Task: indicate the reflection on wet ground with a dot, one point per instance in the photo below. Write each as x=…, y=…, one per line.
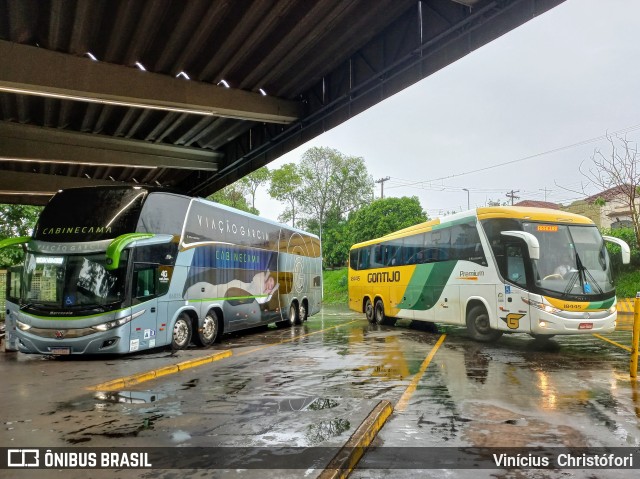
x=313, y=384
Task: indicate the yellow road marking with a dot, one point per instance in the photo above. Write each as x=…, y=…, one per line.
x=128, y=381
x=626, y=348
x=350, y=454
x=404, y=399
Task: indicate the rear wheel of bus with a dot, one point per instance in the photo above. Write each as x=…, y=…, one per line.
x=294, y=314
x=368, y=311
x=304, y=311
x=479, y=325
x=379, y=316
x=209, y=331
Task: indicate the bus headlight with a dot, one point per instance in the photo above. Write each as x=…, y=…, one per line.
x=613, y=309
x=22, y=326
x=541, y=306
x=117, y=322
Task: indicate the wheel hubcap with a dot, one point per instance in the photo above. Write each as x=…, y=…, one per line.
x=482, y=323
x=180, y=332
x=209, y=328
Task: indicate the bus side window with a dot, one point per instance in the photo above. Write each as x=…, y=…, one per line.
x=14, y=284
x=377, y=257
x=515, y=265
x=353, y=259
x=144, y=281
x=364, y=258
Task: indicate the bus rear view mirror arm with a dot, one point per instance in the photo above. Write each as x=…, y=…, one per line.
x=626, y=252
x=532, y=242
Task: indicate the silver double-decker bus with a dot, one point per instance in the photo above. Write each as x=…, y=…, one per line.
x=123, y=269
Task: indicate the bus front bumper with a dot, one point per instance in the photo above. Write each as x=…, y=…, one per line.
x=100, y=343
x=580, y=323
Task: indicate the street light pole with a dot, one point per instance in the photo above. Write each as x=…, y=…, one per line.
x=468, y=206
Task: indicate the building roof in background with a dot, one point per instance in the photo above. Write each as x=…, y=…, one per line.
x=609, y=194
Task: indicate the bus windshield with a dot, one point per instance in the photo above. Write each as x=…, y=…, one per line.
x=573, y=264
x=72, y=281
x=573, y=260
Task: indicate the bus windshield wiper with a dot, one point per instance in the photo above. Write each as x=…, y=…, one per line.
x=586, y=278
x=571, y=282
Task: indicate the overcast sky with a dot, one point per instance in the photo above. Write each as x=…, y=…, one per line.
x=538, y=94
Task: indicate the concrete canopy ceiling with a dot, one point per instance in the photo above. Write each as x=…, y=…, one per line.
x=192, y=95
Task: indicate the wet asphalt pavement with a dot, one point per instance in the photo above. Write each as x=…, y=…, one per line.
x=312, y=386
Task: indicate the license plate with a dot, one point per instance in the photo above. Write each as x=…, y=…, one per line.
x=60, y=351
x=585, y=326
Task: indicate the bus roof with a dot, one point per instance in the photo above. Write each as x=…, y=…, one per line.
x=517, y=212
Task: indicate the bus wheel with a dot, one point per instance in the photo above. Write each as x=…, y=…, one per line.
x=208, y=334
x=182, y=330
x=479, y=326
x=378, y=314
x=294, y=317
x=368, y=311
x=304, y=314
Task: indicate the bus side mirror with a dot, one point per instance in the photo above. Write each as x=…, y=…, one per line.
x=532, y=242
x=626, y=252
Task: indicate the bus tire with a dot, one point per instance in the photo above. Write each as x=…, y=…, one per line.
x=304, y=311
x=182, y=331
x=208, y=333
x=294, y=315
x=368, y=311
x=379, y=316
x=479, y=327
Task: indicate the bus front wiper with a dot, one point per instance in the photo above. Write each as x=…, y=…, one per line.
x=571, y=282
x=582, y=273
x=586, y=276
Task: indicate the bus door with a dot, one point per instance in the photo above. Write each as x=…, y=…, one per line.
x=152, y=272
x=145, y=328
x=13, y=290
x=513, y=311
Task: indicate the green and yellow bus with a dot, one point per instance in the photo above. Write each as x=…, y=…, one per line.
x=494, y=270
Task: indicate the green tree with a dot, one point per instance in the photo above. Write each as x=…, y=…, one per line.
x=333, y=182
x=286, y=184
x=385, y=216
x=233, y=195
x=15, y=221
x=253, y=181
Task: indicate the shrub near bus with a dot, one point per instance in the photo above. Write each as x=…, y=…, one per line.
x=494, y=270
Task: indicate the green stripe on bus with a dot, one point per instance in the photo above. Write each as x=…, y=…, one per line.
x=14, y=241
x=114, y=250
x=426, y=285
x=74, y=318
x=606, y=304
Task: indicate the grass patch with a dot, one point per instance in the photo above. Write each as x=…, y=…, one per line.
x=336, y=290
x=627, y=284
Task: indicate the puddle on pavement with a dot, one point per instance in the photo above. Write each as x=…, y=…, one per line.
x=291, y=405
x=180, y=436
x=320, y=432
x=131, y=397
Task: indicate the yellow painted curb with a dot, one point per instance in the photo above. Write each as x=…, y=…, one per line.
x=625, y=305
x=127, y=381
x=350, y=454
